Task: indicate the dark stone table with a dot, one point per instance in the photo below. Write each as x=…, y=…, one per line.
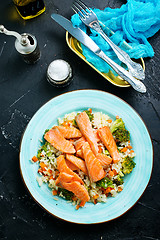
x=24, y=89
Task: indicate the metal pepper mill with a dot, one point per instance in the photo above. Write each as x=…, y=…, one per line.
x=26, y=44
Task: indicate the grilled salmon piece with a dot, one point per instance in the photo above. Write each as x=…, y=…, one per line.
x=78, y=189
x=69, y=132
x=104, y=159
x=109, y=142
x=71, y=165
x=79, y=153
x=79, y=143
x=95, y=169
x=85, y=127
x=95, y=131
x=63, y=177
x=62, y=167
x=55, y=137
x=71, y=181
x=78, y=162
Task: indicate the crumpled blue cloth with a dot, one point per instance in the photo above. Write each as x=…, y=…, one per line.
x=134, y=22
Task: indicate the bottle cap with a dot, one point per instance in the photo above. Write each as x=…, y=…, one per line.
x=59, y=73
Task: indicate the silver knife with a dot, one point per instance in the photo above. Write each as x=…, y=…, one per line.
x=89, y=43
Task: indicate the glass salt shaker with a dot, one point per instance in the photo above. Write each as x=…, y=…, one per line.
x=59, y=73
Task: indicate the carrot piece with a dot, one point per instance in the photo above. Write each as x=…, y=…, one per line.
x=40, y=170
x=64, y=123
x=43, y=166
x=100, y=150
x=50, y=171
x=35, y=159
x=120, y=189
x=108, y=189
x=131, y=151
x=77, y=207
x=111, y=173
x=124, y=149
x=129, y=147
x=115, y=172
x=96, y=196
x=74, y=198
x=51, y=177
x=109, y=120
x=117, y=117
x=82, y=204
x=90, y=109
x=95, y=201
x=54, y=192
x=67, y=123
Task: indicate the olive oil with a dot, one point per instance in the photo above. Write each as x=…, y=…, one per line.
x=28, y=9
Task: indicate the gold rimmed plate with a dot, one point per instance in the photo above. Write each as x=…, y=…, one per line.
x=75, y=46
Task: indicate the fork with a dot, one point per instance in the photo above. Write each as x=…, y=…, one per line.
x=89, y=18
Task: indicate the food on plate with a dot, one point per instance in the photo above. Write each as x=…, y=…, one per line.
x=109, y=142
x=85, y=157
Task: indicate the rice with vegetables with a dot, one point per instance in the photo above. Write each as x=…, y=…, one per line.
x=98, y=189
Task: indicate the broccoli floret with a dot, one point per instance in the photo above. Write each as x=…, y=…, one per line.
x=90, y=115
x=75, y=123
x=121, y=135
x=119, y=131
x=43, y=148
x=105, y=182
x=66, y=194
x=127, y=165
x=118, y=123
x=118, y=180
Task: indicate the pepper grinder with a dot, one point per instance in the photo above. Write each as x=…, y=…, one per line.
x=26, y=44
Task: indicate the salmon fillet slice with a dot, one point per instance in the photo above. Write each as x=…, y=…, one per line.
x=79, y=143
x=78, y=189
x=55, y=137
x=85, y=127
x=63, y=177
x=78, y=162
x=69, y=132
x=95, y=169
x=109, y=142
x=95, y=131
x=71, y=165
x=79, y=153
x=62, y=167
x=104, y=159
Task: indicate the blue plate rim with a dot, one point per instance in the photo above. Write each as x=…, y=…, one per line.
x=86, y=90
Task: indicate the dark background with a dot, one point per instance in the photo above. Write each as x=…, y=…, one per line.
x=24, y=89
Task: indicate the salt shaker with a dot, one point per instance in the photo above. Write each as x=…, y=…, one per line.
x=59, y=73
x=26, y=44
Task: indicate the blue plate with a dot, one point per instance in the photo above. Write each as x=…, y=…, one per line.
x=134, y=184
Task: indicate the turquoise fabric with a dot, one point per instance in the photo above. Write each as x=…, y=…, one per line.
x=134, y=22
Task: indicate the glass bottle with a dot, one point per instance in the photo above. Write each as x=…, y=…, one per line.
x=28, y=9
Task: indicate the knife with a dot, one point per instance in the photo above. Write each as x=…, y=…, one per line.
x=89, y=43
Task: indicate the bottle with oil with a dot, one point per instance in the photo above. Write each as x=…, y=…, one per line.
x=28, y=9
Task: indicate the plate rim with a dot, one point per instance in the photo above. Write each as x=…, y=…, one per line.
x=44, y=208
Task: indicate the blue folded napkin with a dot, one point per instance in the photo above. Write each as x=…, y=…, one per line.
x=134, y=22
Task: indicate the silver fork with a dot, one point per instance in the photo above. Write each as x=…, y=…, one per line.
x=89, y=18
